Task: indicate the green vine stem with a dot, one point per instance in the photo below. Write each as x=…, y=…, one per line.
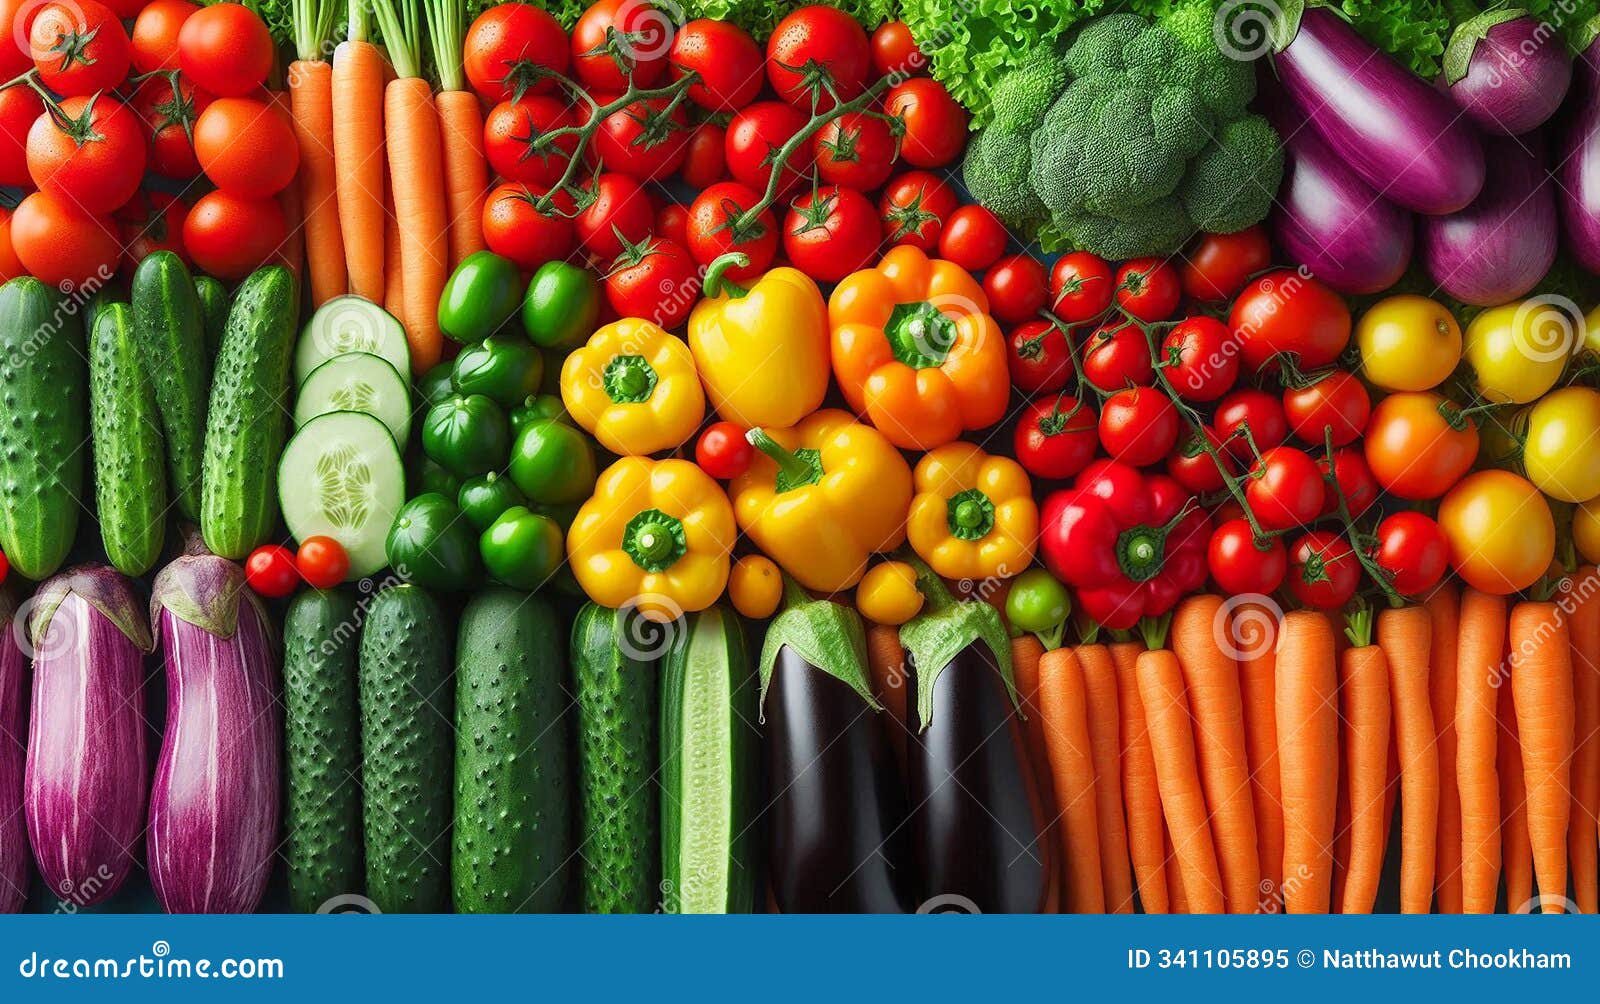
x=1347, y=524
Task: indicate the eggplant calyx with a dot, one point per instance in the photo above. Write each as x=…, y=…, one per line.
x=945, y=627
x=1463, y=44
x=826, y=634
x=1283, y=23
x=203, y=590
x=103, y=588
x=1584, y=37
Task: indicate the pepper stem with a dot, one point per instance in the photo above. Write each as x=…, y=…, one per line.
x=717, y=282
x=970, y=514
x=796, y=468
x=654, y=540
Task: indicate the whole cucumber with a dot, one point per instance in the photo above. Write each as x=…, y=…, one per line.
x=171, y=336
x=130, y=472
x=213, y=297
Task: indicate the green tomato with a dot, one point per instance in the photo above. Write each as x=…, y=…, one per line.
x=467, y=435
x=535, y=408
x=561, y=306
x=1037, y=602
x=522, y=549
x=553, y=463
x=482, y=499
x=504, y=368
x=436, y=385
x=481, y=294
x=431, y=545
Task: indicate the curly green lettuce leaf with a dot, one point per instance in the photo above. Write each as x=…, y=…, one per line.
x=758, y=17
x=1412, y=31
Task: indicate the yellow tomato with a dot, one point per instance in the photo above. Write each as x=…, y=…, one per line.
x=888, y=593
x=1586, y=530
x=1591, y=332
x=1501, y=532
x=1561, y=452
x=755, y=586
x=1408, y=343
x=1519, y=350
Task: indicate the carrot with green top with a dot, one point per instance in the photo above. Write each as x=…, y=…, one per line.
x=466, y=171
x=356, y=96
x=311, y=102
x=1364, y=706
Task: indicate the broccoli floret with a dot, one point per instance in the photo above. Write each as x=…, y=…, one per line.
x=996, y=170
x=1022, y=96
x=1155, y=228
x=1231, y=182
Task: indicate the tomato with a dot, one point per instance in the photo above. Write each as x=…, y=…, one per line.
x=515, y=144
x=1284, y=489
x=895, y=51
x=246, y=147
x=509, y=50
x=1255, y=411
x=270, y=571
x=723, y=452
x=1138, y=426
x=1408, y=342
x=705, y=160
x=1418, y=444
x=5, y=568
x=1117, y=357
x=1501, y=532
x=1218, y=265
x=1288, y=313
x=1038, y=357
x=10, y=265
x=727, y=59
x=1413, y=549
x=618, y=40
x=80, y=47
x=1518, y=351
x=1201, y=358
x=60, y=244
x=1352, y=479
x=913, y=208
x=831, y=233
x=672, y=222
x=814, y=46
x=226, y=50
x=154, y=40
x=1335, y=402
x=96, y=165
x=715, y=229
x=755, y=134
x=322, y=562
x=20, y=107
x=515, y=227
x=1080, y=286
x=229, y=236
x=644, y=140
x=1325, y=570
x=1016, y=287
x=613, y=205
x=152, y=221
x=1148, y=288
x=1055, y=437
x=973, y=238
x=935, y=125
x=855, y=150
x=15, y=55
x=1559, y=453
x=1192, y=467
x=656, y=280
x=1240, y=565
x=1586, y=530
x=169, y=118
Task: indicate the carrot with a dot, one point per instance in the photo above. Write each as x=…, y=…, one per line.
x=1105, y=743
x=1444, y=615
x=1341, y=821
x=311, y=113
x=394, y=295
x=1480, y=645
x=1180, y=902
x=1211, y=677
x=1541, y=691
x=1308, y=733
x=1140, y=795
x=1405, y=635
x=1583, y=830
x=1026, y=651
x=466, y=172
x=1514, y=810
x=1364, y=705
x=356, y=82
x=1254, y=631
x=1064, y=712
x=1183, y=801
x=886, y=664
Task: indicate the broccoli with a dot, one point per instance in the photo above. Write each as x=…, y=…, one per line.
x=996, y=171
x=1231, y=183
x=1022, y=96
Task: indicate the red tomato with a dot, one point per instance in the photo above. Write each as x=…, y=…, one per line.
x=1201, y=358
x=152, y=221
x=1038, y=357
x=913, y=208
x=755, y=134
x=515, y=141
x=96, y=163
x=613, y=204
x=1017, y=288
x=723, y=452
x=1354, y=481
x=169, y=119
x=672, y=223
x=831, y=233
x=705, y=159
x=230, y=237
x=1055, y=437
x=973, y=238
x=814, y=45
x=514, y=226
x=1138, y=426
x=715, y=229
x=226, y=50
x=246, y=147
x=895, y=51
x=322, y=562
x=618, y=40
x=1218, y=265
x=1287, y=313
x=1148, y=288
x=935, y=125
x=1419, y=445
x=1117, y=357
x=1192, y=467
x=79, y=47
x=1080, y=286
x=1251, y=409
x=1326, y=570
x=154, y=39
x=270, y=571
x=727, y=60
x=1284, y=489
x=1335, y=403
x=60, y=244
x=5, y=568
x=645, y=140
x=507, y=49
x=10, y=265
x=656, y=280
x=855, y=150
x=20, y=107
x=1240, y=565
x=1413, y=549
x=15, y=53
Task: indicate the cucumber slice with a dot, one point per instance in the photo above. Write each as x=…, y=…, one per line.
x=357, y=381
x=341, y=477
x=350, y=324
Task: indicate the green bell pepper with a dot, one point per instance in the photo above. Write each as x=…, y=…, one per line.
x=480, y=295
x=427, y=476
x=482, y=499
x=431, y=545
x=553, y=463
x=561, y=306
x=536, y=407
x=504, y=368
x=436, y=385
x=467, y=435
x=522, y=549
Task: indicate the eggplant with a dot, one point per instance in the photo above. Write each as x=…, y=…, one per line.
x=86, y=774
x=214, y=804
x=1398, y=134
x=1501, y=246
x=13, y=759
x=1507, y=70
x=1579, y=173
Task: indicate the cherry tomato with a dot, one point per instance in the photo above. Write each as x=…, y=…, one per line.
x=1284, y=489
x=816, y=44
x=1418, y=444
x=715, y=229
x=831, y=232
x=60, y=244
x=1335, y=402
x=1353, y=479
x=1201, y=359
x=1287, y=313
x=230, y=237
x=10, y=265
x=1017, y=288
x=16, y=21
x=1055, y=437
x=1413, y=549
x=1240, y=564
x=246, y=147
x=1255, y=410
x=1038, y=357
x=723, y=452
x=1117, y=356
x=1501, y=531
x=913, y=208
x=672, y=223
x=151, y=222
x=646, y=140
x=20, y=107
x=515, y=227
x=322, y=562
x=1080, y=286
x=154, y=39
x=935, y=125
x=613, y=205
x=895, y=51
x=727, y=60
x=755, y=134
x=855, y=150
x=1192, y=467
x=973, y=238
x=1218, y=265
x=1326, y=570
x=225, y=49
x=508, y=49
x=80, y=47
x=169, y=119
x=98, y=170
x=705, y=159
x=270, y=571
x=1148, y=288
x=656, y=280
x=1138, y=426
x=515, y=141
x=615, y=41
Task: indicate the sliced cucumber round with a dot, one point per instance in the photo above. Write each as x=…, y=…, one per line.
x=357, y=381
x=341, y=477
x=350, y=324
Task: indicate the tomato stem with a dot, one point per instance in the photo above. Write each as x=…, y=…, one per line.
x=1376, y=572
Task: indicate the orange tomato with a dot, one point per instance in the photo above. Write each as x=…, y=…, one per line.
x=1418, y=444
x=1501, y=532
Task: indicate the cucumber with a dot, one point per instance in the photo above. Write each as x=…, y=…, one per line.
x=322, y=741
x=172, y=340
x=245, y=431
x=357, y=381
x=513, y=830
x=130, y=467
x=351, y=324
x=407, y=705
x=708, y=700
x=44, y=404
x=213, y=297
x=343, y=478
x=618, y=800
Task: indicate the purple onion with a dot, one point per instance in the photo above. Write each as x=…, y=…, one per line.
x=214, y=803
x=1502, y=245
x=1507, y=70
x=84, y=792
x=13, y=761
x=1579, y=173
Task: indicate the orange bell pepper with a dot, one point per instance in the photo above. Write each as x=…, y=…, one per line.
x=915, y=350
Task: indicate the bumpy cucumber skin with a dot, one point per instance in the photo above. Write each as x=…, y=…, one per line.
x=249, y=415
x=168, y=326
x=44, y=418
x=618, y=797
x=322, y=726
x=513, y=831
x=407, y=705
x=213, y=298
x=130, y=467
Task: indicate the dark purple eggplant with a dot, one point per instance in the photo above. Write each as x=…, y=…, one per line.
x=1401, y=136
x=1506, y=69
x=1579, y=173
x=1501, y=246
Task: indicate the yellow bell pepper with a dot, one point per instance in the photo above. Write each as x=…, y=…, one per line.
x=888, y=594
x=656, y=534
x=762, y=352
x=974, y=516
x=822, y=496
x=634, y=388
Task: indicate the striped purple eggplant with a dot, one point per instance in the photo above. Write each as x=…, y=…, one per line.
x=214, y=804
x=13, y=758
x=1507, y=70
x=84, y=791
x=1579, y=156
x=1500, y=247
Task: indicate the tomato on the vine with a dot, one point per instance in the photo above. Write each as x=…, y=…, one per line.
x=515, y=227
x=1017, y=288
x=646, y=140
x=225, y=49
x=80, y=47
x=973, y=238
x=10, y=265
x=1117, y=356
x=154, y=39
x=1326, y=570
x=1080, y=286
x=1038, y=357
x=516, y=141
x=1413, y=549
x=1284, y=489
x=322, y=562
x=229, y=236
x=169, y=118
x=1148, y=288
x=1418, y=444
x=1192, y=466
x=20, y=107
x=855, y=150
x=655, y=279
x=151, y=222
x=93, y=155
x=16, y=21
x=1351, y=478
x=1218, y=265
x=270, y=571
x=935, y=125
x=913, y=208
x=1055, y=437
x=1256, y=411
x=1201, y=360
x=1240, y=564
x=755, y=135
x=895, y=51
x=612, y=209
x=672, y=223
x=511, y=49
x=831, y=232
x=705, y=158
x=60, y=244
x=616, y=41
x=716, y=228
x=723, y=452
x=1333, y=404
x=818, y=54
x=246, y=147
x=727, y=61
x=1287, y=313
x=1138, y=426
